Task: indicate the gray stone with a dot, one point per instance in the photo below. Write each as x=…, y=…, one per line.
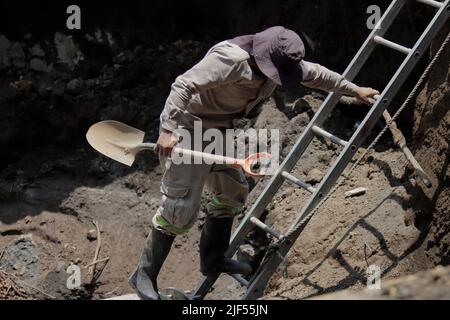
x=21, y=258
x=59, y=87
x=37, y=51
x=300, y=121
x=39, y=65
x=17, y=55
x=301, y=105
x=67, y=51
x=314, y=176
x=74, y=86
x=5, y=45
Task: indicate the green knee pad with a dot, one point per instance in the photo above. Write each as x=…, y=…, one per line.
x=161, y=223
x=218, y=204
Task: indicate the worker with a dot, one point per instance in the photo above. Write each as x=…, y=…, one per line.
x=232, y=78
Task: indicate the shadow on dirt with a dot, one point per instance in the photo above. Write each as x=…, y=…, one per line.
x=357, y=274
x=47, y=177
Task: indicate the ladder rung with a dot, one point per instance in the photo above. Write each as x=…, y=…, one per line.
x=298, y=182
x=392, y=45
x=326, y=134
x=240, y=279
x=432, y=3
x=266, y=228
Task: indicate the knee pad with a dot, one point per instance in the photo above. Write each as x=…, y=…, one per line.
x=160, y=223
x=178, y=211
x=222, y=208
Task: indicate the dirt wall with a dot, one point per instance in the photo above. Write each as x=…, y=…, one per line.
x=431, y=141
x=121, y=63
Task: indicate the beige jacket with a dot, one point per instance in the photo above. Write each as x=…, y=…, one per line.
x=222, y=87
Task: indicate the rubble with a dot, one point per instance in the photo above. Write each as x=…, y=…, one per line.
x=314, y=176
x=38, y=65
x=21, y=258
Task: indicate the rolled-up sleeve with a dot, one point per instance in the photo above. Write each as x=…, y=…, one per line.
x=319, y=77
x=215, y=69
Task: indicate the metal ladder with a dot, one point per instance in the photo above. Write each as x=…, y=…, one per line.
x=256, y=285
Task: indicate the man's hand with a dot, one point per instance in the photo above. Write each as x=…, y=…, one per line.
x=165, y=143
x=366, y=95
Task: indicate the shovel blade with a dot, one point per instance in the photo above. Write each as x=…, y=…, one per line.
x=100, y=134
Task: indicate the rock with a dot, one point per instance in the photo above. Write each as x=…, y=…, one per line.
x=325, y=158
x=246, y=254
x=309, y=103
x=138, y=50
x=300, y=121
x=22, y=85
x=70, y=248
x=59, y=88
x=92, y=235
x=74, y=86
x=39, y=65
x=247, y=249
x=5, y=44
x=37, y=51
x=67, y=51
x=314, y=176
x=123, y=57
x=17, y=55
x=21, y=257
x=355, y=192
x=117, y=67
x=11, y=54
x=301, y=105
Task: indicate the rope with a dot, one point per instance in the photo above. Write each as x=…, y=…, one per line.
x=412, y=94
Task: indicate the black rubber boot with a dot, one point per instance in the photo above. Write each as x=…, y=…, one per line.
x=154, y=253
x=214, y=241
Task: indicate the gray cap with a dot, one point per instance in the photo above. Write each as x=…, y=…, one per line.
x=279, y=52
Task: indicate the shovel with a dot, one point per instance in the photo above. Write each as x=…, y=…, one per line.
x=121, y=142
